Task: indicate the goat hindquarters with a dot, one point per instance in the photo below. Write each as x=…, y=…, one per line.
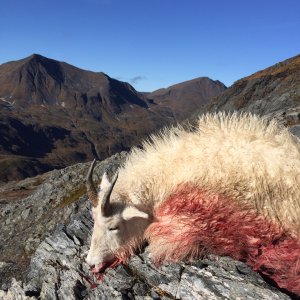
x=194, y=222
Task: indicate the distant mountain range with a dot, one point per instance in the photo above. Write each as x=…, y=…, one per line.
x=186, y=97
x=53, y=114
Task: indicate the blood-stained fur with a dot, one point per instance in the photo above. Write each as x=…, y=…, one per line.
x=231, y=186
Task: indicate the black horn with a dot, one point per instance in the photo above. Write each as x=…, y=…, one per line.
x=90, y=187
x=105, y=205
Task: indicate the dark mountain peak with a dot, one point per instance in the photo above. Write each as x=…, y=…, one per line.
x=40, y=80
x=34, y=60
x=193, y=83
x=67, y=68
x=37, y=57
x=190, y=95
x=38, y=65
x=18, y=63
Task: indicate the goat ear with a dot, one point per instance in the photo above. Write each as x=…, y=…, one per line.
x=104, y=182
x=132, y=212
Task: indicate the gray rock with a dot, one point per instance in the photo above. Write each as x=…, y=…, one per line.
x=25, y=213
x=295, y=130
x=15, y=292
x=31, y=209
x=61, y=276
x=58, y=269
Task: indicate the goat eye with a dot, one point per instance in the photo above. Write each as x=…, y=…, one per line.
x=113, y=228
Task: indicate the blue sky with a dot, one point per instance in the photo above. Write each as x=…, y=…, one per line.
x=154, y=43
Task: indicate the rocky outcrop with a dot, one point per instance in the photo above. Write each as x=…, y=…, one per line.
x=58, y=271
x=31, y=209
x=274, y=91
x=49, y=219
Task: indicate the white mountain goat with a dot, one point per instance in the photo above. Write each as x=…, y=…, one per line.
x=231, y=187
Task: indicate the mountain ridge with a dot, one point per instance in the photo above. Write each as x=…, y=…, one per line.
x=40, y=80
x=274, y=91
x=77, y=114
x=190, y=91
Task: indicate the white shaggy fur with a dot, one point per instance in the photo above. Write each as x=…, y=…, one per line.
x=251, y=159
